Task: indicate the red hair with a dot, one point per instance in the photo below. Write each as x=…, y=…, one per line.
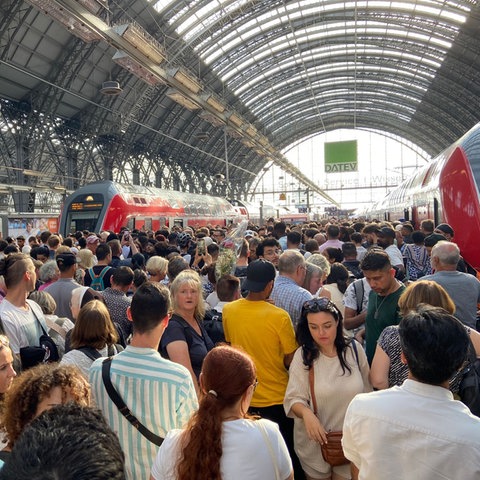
x=226, y=374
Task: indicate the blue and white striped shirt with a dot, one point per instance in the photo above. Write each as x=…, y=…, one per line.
x=159, y=393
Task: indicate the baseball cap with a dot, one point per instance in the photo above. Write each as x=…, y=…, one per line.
x=92, y=239
x=386, y=232
x=66, y=259
x=444, y=228
x=259, y=273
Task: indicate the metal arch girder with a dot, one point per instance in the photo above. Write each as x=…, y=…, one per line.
x=258, y=87
x=264, y=39
x=290, y=98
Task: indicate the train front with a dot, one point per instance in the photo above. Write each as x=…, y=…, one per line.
x=86, y=208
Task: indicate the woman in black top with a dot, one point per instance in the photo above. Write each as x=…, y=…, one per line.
x=185, y=341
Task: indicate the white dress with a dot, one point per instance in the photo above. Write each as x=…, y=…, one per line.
x=333, y=392
x=246, y=455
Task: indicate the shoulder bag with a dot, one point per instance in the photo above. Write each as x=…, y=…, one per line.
x=261, y=427
x=124, y=410
x=46, y=351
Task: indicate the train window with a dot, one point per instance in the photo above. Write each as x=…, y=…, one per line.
x=136, y=199
x=131, y=223
x=143, y=201
x=148, y=223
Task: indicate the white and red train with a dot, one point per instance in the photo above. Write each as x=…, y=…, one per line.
x=107, y=205
x=444, y=190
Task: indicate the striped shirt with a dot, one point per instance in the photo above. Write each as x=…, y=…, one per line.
x=159, y=393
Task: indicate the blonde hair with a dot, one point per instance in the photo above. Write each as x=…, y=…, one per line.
x=191, y=278
x=425, y=291
x=86, y=258
x=321, y=262
x=157, y=265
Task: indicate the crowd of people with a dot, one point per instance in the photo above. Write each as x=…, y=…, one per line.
x=207, y=353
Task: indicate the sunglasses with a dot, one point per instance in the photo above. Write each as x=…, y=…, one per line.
x=321, y=304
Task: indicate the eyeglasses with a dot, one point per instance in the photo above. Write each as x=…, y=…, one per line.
x=272, y=252
x=321, y=304
x=254, y=384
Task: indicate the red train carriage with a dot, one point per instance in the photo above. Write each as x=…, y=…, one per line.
x=109, y=206
x=445, y=190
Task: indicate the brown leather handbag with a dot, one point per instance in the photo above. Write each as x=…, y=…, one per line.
x=332, y=451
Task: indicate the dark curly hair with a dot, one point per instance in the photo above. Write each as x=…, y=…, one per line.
x=35, y=384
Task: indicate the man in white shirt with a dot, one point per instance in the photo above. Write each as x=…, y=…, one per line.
x=417, y=430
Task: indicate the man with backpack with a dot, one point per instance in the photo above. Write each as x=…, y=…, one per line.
x=98, y=277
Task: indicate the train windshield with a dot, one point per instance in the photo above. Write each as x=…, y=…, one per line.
x=83, y=213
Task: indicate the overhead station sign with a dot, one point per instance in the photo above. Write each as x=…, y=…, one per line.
x=341, y=156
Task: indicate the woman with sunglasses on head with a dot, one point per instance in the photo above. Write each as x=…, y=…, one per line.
x=340, y=371
x=221, y=440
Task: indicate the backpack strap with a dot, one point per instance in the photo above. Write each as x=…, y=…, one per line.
x=354, y=346
x=103, y=272
x=311, y=381
x=359, y=297
x=124, y=410
x=90, y=352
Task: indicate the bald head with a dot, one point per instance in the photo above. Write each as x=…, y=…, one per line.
x=320, y=238
x=445, y=255
x=289, y=261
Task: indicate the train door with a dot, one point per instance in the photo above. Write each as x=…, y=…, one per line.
x=414, y=220
x=407, y=214
x=435, y=211
x=131, y=223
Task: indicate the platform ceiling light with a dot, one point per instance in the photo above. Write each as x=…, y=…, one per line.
x=215, y=102
x=32, y=173
x=73, y=25
x=248, y=142
x=251, y=130
x=110, y=87
x=181, y=99
x=186, y=79
x=128, y=63
x=235, y=119
x=138, y=38
x=263, y=140
x=211, y=118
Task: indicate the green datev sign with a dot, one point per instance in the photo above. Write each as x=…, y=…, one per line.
x=341, y=156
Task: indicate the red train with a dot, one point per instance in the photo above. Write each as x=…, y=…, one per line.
x=445, y=190
x=109, y=206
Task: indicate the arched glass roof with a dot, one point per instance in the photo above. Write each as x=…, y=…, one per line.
x=274, y=71
x=287, y=60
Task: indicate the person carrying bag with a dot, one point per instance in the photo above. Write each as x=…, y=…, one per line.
x=326, y=373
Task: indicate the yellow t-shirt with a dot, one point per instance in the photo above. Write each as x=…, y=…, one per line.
x=266, y=333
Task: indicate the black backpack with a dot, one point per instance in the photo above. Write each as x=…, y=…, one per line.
x=212, y=322
x=469, y=390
